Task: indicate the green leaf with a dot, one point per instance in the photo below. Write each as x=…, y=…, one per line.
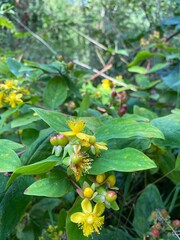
x=24, y=119
x=33, y=169
x=29, y=136
x=13, y=205
x=143, y=55
x=55, y=92
x=137, y=69
x=125, y=160
x=40, y=149
x=10, y=144
x=170, y=127
x=120, y=51
x=5, y=22
x=157, y=67
x=14, y=66
x=57, y=121
x=72, y=229
x=149, y=201
x=166, y=163
x=9, y=160
x=177, y=167
x=113, y=234
x=144, y=112
x=120, y=128
x=84, y=105
x=57, y=185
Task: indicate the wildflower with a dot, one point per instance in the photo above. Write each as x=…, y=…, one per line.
x=80, y=163
x=1, y=99
x=106, y=84
x=90, y=220
x=14, y=99
x=90, y=141
x=77, y=126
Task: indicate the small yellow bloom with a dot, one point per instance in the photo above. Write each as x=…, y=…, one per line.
x=77, y=126
x=86, y=142
x=14, y=99
x=9, y=84
x=90, y=220
x=106, y=84
x=1, y=99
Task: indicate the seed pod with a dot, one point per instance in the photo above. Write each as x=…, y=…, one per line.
x=62, y=140
x=111, y=196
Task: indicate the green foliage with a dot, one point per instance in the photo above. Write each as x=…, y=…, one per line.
x=79, y=141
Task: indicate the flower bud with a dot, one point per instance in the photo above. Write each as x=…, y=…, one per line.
x=70, y=65
x=60, y=58
x=100, y=178
x=122, y=111
x=53, y=141
x=88, y=192
x=111, y=180
x=62, y=140
x=176, y=223
x=92, y=139
x=111, y=196
x=153, y=214
x=157, y=226
x=155, y=232
x=164, y=213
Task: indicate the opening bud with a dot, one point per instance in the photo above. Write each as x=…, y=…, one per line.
x=88, y=192
x=111, y=180
x=100, y=178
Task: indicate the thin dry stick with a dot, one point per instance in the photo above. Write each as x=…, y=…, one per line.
x=90, y=39
x=103, y=75
x=75, y=61
x=99, y=73
x=100, y=57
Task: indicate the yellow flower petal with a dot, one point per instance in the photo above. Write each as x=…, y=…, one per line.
x=77, y=217
x=99, y=209
x=68, y=133
x=83, y=136
x=86, y=206
x=101, y=145
x=76, y=125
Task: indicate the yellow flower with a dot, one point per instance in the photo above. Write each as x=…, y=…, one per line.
x=106, y=84
x=76, y=125
x=14, y=99
x=80, y=163
x=90, y=220
x=88, y=141
x=2, y=95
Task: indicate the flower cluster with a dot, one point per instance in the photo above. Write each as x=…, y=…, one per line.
x=76, y=148
x=154, y=39
x=11, y=93
x=162, y=227
x=52, y=232
x=78, y=151
x=107, y=93
x=102, y=193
